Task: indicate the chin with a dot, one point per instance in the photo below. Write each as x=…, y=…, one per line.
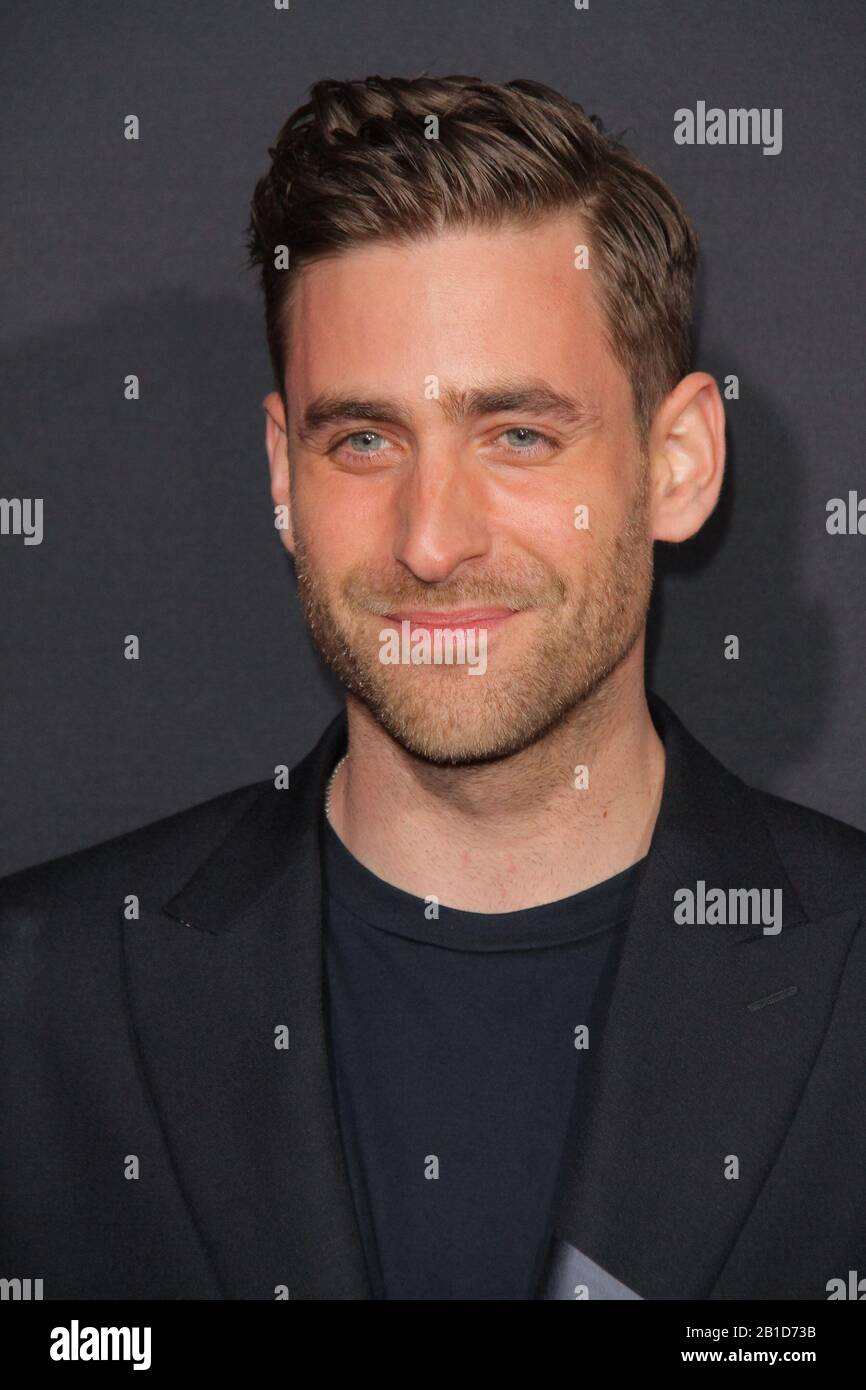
x=448, y=730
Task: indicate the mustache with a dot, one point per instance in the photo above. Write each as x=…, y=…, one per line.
x=445, y=603
x=454, y=596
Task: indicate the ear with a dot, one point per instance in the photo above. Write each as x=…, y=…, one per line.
x=687, y=457
x=276, y=443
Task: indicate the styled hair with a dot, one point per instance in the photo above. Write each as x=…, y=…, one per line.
x=355, y=165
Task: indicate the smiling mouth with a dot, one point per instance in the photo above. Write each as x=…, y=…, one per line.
x=455, y=620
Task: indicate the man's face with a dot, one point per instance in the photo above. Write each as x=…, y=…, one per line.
x=453, y=407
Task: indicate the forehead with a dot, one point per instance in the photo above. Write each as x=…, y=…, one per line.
x=464, y=306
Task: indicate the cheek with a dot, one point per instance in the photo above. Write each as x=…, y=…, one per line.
x=563, y=518
x=342, y=529
x=607, y=486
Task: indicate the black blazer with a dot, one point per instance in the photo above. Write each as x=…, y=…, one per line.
x=152, y=1039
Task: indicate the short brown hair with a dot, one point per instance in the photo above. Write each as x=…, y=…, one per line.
x=353, y=165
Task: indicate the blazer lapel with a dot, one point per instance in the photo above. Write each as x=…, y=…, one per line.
x=251, y=1128
x=707, y=1046
x=708, y=1043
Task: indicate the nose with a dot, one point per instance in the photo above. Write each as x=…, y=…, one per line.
x=442, y=518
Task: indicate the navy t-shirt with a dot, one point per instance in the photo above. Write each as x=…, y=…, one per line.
x=457, y=1045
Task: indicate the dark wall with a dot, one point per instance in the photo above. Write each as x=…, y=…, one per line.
x=124, y=257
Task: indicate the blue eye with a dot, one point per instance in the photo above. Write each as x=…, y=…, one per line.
x=367, y=436
x=522, y=431
x=521, y=439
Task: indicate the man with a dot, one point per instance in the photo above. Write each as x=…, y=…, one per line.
x=514, y=992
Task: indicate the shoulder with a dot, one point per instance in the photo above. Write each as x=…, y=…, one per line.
x=155, y=859
x=825, y=858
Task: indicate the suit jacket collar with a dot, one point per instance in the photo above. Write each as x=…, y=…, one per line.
x=708, y=821
x=220, y=978
x=685, y=1076
x=278, y=837
x=710, y=1035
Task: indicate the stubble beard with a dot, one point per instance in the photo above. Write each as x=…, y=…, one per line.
x=448, y=717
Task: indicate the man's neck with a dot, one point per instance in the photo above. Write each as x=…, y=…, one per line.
x=510, y=834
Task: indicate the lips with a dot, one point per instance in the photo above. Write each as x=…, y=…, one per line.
x=456, y=618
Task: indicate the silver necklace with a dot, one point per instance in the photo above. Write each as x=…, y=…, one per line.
x=330, y=785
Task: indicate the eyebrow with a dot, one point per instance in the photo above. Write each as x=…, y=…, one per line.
x=529, y=398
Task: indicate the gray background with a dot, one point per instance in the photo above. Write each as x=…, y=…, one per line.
x=128, y=257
